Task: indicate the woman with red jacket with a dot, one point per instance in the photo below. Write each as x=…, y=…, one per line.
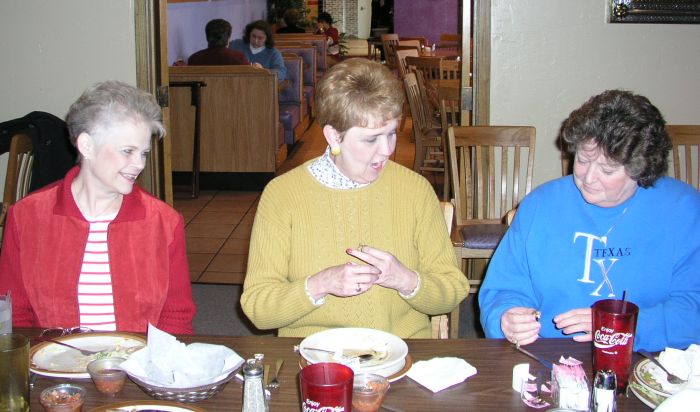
x=94, y=250
x=325, y=26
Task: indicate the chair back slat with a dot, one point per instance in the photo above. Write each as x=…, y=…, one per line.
x=19, y=172
x=482, y=156
x=686, y=153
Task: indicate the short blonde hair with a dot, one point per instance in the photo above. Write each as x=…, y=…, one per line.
x=358, y=93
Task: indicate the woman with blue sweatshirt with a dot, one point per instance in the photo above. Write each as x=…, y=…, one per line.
x=616, y=224
x=259, y=48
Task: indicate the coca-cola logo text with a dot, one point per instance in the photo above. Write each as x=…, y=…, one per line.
x=607, y=338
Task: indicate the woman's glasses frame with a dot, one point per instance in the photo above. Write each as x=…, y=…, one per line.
x=57, y=331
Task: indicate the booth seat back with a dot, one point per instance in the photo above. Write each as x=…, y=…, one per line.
x=292, y=99
x=317, y=40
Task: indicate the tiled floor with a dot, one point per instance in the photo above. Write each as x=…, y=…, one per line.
x=218, y=223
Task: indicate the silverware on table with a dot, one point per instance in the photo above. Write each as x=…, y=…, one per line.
x=85, y=352
x=547, y=364
x=671, y=378
x=275, y=383
x=362, y=357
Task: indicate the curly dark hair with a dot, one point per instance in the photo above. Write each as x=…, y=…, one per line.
x=324, y=16
x=627, y=128
x=261, y=25
x=218, y=32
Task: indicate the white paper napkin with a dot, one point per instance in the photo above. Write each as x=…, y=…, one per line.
x=682, y=363
x=439, y=373
x=168, y=363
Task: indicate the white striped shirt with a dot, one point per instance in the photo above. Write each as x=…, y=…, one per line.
x=95, y=298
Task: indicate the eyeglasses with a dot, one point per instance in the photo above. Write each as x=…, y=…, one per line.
x=56, y=332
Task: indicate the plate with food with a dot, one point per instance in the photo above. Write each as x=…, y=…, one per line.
x=362, y=349
x=650, y=376
x=147, y=406
x=54, y=360
x=646, y=395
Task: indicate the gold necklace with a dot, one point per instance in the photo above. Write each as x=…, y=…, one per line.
x=604, y=238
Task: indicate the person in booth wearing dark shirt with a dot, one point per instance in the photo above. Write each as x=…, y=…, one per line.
x=291, y=18
x=218, y=33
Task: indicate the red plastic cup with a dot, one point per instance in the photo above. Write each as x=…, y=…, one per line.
x=326, y=386
x=614, y=324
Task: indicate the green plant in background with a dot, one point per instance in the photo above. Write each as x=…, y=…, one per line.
x=342, y=45
x=276, y=9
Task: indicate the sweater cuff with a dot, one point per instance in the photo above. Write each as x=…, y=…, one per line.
x=315, y=302
x=414, y=291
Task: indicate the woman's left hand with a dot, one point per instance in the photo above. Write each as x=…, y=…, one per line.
x=574, y=321
x=394, y=274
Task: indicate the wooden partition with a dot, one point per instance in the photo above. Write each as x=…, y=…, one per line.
x=239, y=119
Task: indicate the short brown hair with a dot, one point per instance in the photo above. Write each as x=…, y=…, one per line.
x=358, y=92
x=629, y=130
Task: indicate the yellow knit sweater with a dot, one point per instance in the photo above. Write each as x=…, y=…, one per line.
x=302, y=227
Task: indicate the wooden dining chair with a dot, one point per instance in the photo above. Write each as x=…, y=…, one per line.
x=19, y=172
x=429, y=157
x=450, y=70
x=686, y=149
x=389, y=43
x=442, y=325
x=401, y=55
x=428, y=66
x=490, y=172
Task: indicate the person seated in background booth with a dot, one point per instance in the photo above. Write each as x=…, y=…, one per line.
x=617, y=224
x=334, y=242
x=325, y=26
x=259, y=47
x=94, y=250
x=218, y=32
x=291, y=18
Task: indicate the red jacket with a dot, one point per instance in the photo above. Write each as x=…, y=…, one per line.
x=42, y=252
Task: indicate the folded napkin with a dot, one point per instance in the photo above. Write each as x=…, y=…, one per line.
x=168, y=363
x=681, y=363
x=439, y=373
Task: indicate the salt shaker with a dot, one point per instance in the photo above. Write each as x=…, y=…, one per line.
x=253, y=391
x=604, y=386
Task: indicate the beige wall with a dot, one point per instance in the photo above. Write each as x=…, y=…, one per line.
x=549, y=56
x=52, y=50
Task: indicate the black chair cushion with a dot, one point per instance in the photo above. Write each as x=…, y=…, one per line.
x=483, y=236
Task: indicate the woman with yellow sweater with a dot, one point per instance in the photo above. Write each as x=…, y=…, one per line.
x=352, y=239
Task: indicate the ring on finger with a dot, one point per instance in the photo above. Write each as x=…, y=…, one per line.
x=359, y=288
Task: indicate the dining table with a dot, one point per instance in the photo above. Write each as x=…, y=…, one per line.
x=490, y=389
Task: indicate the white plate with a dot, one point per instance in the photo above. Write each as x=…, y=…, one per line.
x=146, y=406
x=652, y=377
x=51, y=359
x=359, y=339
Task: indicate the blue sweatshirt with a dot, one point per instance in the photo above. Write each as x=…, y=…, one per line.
x=563, y=253
x=268, y=58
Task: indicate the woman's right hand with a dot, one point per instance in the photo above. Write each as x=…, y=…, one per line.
x=345, y=280
x=521, y=325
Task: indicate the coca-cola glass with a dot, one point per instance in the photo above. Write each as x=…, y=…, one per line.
x=326, y=387
x=614, y=324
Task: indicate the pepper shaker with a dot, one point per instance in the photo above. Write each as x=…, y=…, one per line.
x=604, y=386
x=253, y=391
